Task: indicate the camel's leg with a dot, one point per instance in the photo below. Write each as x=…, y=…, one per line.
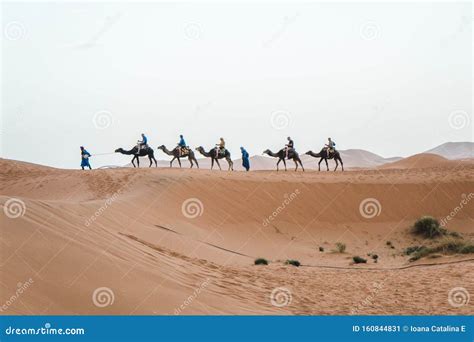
x=151, y=161
x=342, y=164
x=327, y=165
x=299, y=160
x=212, y=163
x=171, y=162
x=319, y=164
x=179, y=162
x=296, y=163
x=133, y=162
x=218, y=164
x=279, y=160
x=337, y=164
x=284, y=162
x=197, y=164
x=191, y=161
x=231, y=164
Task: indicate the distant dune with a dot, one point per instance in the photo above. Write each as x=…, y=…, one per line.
x=154, y=236
x=454, y=150
x=425, y=160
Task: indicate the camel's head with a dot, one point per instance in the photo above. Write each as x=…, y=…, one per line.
x=266, y=152
x=200, y=148
x=309, y=153
x=161, y=147
x=119, y=150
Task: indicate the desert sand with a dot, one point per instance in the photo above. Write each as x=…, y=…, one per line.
x=180, y=241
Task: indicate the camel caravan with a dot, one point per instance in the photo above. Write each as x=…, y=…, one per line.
x=182, y=150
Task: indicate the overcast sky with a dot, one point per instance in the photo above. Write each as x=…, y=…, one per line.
x=394, y=79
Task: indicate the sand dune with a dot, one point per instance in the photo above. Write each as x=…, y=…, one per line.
x=454, y=150
x=167, y=241
x=423, y=161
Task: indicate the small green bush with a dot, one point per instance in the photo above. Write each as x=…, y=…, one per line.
x=261, y=261
x=340, y=247
x=293, y=262
x=428, y=227
x=359, y=260
x=447, y=246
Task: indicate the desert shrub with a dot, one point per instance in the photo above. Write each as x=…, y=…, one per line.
x=467, y=249
x=359, y=260
x=455, y=234
x=447, y=246
x=428, y=227
x=375, y=257
x=321, y=249
x=412, y=249
x=293, y=262
x=261, y=261
x=340, y=247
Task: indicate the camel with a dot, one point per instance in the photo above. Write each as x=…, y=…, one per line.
x=146, y=151
x=282, y=155
x=215, y=156
x=324, y=155
x=176, y=155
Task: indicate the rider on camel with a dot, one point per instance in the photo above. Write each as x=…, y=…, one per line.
x=289, y=146
x=182, y=145
x=142, y=143
x=330, y=146
x=221, y=145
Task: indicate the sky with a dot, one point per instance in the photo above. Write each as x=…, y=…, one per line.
x=394, y=79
